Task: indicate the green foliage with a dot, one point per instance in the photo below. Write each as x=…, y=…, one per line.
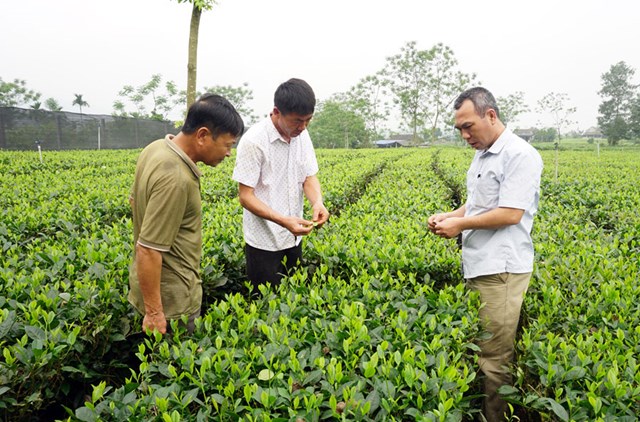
x=335, y=125
x=511, y=107
x=369, y=100
x=547, y=134
x=376, y=325
x=161, y=97
x=424, y=84
x=239, y=97
x=79, y=101
x=618, y=93
x=52, y=104
x=200, y=4
x=16, y=94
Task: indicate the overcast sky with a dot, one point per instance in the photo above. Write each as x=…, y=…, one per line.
x=63, y=47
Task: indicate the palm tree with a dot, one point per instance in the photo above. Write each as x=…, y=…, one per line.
x=80, y=102
x=52, y=104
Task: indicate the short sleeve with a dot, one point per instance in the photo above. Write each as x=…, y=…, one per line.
x=521, y=183
x=311, y=160
x=248, y=164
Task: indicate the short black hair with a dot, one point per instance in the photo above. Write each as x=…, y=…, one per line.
x=215, y=113
x=481, y=98
x=295, y=96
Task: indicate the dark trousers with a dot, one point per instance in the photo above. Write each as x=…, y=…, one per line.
x=270, y=266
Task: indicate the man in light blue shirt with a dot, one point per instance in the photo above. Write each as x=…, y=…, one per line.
x=503, y=189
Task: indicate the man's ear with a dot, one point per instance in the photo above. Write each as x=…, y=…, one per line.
x=493, y=116
x=201, y=134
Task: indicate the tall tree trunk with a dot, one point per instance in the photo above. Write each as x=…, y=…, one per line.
x=193, y=55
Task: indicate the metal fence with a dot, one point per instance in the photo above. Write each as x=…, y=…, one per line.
x=23, y=129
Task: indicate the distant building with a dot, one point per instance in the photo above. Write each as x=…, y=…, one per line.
x=401, y=140
x=593, y=132
x=526, y=134
x=390, y=143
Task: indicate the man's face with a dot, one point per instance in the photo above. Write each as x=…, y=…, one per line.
x=292, y=124
x=216, y=150
x=476, y=130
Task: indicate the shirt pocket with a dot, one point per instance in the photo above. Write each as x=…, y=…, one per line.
x=487, y=191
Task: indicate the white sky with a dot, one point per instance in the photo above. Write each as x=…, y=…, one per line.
x=62, y=47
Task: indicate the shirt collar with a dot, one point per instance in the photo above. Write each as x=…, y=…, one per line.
x=273, y=133
x=175, y=148
x=499, y=143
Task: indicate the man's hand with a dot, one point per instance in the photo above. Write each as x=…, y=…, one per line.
x=434, y=219
x=155, y=321
x=447, y=228
x=320, y=214
x=297, y=226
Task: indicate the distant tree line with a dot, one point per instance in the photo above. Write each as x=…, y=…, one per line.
x=415, y=87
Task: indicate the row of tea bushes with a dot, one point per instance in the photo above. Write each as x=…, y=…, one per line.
x=319, y=348
x=372, y=274
x=66, y=238
x=386, y=229
x=63, y=260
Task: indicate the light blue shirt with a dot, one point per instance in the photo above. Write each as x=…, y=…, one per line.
x=505, y=175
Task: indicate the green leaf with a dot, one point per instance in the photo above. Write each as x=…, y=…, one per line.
x=575, y=373
x=265, y=375
x=35, y=333
x=557, y=409
x=506, y=390
x=6, y=325
x=86, y=415
x=312, y=377
x=98, y=391
x=374, y=400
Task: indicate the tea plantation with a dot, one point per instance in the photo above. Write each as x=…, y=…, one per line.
x=376, y=325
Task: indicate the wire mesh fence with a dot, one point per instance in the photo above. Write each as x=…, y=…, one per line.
x=24, y=129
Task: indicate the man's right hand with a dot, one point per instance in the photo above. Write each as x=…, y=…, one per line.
x=155, y=321
x=298, y=226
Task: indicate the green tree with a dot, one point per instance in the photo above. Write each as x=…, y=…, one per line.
x=334, y=125
x=555, y=104
x=192, y=65
x=511, y=107
x=16, y=94
x=52, y=104
x=425, y=83
x=545, y=135
x=617, y=94
x=80, y=102
x=162, y=97
x=368, y=99
x=239, y=97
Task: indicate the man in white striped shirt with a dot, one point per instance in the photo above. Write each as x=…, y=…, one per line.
x=275, y=166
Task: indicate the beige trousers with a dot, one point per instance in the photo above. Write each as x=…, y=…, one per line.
x=502, y=296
